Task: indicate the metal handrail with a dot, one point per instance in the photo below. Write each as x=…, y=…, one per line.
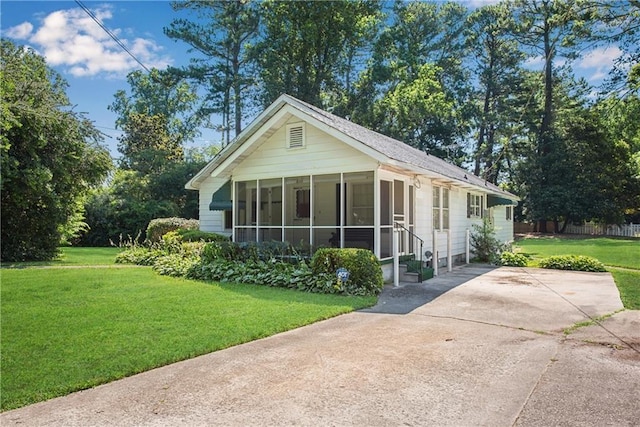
x=415, y=236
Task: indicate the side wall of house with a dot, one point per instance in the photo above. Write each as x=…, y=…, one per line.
x=212, y=221
x=502, y=225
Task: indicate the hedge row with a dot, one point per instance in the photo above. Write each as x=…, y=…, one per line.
x=269, y=264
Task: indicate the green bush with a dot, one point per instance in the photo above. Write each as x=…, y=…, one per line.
x=268, y=273
x=365, y=274
x=486, y=247
x=139, y=255
x=509, y=259
x=573, y=262
x=160, y=226
x=175, y=265
x=190, y=235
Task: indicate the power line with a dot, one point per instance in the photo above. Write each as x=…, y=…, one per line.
x=113, y=36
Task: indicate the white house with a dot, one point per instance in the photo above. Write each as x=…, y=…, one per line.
x=302, y=175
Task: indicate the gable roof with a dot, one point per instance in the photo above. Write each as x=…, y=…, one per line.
x=393, y=151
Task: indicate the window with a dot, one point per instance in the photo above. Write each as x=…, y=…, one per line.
x=303, y=207
x=436, y=208
x=474, y=205
x=509, y=210
x=440, y=208
x=295, y=135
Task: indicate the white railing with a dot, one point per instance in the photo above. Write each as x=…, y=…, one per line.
x=624, y=230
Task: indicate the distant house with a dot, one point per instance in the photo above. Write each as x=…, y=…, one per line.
x=300, y=174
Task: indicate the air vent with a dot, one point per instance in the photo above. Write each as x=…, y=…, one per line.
x=295, y=135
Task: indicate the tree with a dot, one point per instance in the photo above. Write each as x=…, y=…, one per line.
x=497, y=59
x=420, y=33
x=51, y=157
x=158, y=93
x=308, y=47
x=223, y=35
x=146, y=145
x=551, y=29
x=415, y=109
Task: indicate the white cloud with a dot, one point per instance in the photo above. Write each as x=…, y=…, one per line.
x=20, y=32
x=599, y=62
x=71, y=39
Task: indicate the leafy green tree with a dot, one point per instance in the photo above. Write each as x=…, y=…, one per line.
x=414, y=109
x=308, y=47
x=497, y=59
x=420, y=33
x=51, y=157
x=159, y=94
x=588, y=172
x=146, y=145
x=222, y=35
x=552, y=29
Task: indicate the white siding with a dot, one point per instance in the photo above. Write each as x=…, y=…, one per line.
x=211, y=220
x=503, y=227
x=321, y=154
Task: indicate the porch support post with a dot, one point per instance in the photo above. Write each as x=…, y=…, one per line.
x=467, y=245
x=396, y=257
x=435, y=252
x=449, y=257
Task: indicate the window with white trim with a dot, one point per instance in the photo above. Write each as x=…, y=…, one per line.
x=474, y=205
x=295, y=135
x=509, y=210
x=440, y=208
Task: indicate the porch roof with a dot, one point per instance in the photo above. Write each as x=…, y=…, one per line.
x=396, y=153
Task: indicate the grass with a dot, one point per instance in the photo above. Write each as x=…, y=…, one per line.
x=620, y=255
x=70, y=256
x=67, y=329
x=614, y=252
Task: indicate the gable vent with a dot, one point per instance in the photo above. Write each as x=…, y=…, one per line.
x=295, y=135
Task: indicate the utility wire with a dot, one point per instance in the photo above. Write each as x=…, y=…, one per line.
x=113, y=36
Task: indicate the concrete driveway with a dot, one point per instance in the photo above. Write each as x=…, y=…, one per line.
x=478, y=346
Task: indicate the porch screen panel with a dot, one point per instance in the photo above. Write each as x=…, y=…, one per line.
x=359, y=202
x=326, y=200
x=297, y=202
x=298, y=237
x=271, y=202
x=359, y=217
x=385, y=203
x=386, y=242
x=241, y=204
x=398, y=201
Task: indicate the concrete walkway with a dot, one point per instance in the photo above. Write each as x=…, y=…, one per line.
x=476, y=347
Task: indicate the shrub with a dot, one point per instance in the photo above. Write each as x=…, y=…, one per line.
x=160, y=226
x=484, y=243
x=175, y=265
x=573, y=262
x=139, y=255
x=190, y=235
x=365, y=274
x=268, y=273
x=510, y=259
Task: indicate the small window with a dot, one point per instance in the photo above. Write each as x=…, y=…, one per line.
x=295, y=135
x=509, y=210
x=440, y=208
x=474, y=206
x=303, y=206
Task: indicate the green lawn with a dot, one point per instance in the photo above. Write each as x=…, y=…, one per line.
x=67, y=329
x=74, y=257
x=620, y=255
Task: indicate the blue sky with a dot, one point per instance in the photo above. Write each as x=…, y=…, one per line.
x=92, y=63
x=95, y=66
